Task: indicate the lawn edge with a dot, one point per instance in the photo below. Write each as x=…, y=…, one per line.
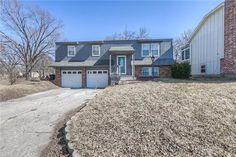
x=71, y=147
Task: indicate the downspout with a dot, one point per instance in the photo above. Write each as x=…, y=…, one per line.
x=110, y=64
x=133, y=65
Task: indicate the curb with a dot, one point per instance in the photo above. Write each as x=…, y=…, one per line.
x=71, y=146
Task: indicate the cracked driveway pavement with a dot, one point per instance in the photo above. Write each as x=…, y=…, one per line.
x=26, y=124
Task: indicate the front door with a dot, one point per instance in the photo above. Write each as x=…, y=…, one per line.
x=121, y=64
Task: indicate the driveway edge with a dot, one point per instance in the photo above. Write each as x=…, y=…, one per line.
x=71, y=146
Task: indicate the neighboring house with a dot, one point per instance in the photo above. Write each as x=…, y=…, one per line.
x=34, y=74
x=185, y=54
x=92, y=64
x=211, y=49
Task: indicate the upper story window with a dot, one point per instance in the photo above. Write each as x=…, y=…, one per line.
x=151, y=49
x=71, y=51
x=185, y=54
x=96, y=50
x=155, y=49
x=145, y=50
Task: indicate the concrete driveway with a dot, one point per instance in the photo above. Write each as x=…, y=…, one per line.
x=27, y=123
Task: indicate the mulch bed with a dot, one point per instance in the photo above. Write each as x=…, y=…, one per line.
x=159, y=119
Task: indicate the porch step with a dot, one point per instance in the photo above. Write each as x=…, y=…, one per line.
x=128, y=82
x=127, y=78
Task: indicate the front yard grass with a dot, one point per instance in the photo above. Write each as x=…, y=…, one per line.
x=23, y=88
x=159, y=119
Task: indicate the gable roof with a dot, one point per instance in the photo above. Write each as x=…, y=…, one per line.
x=204, y=20
x=112, y=41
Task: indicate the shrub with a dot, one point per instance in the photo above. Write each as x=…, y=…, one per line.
x=181, y=70
x=12, y=76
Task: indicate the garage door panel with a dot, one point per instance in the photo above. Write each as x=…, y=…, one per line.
x=71, y=78
x=97, y=78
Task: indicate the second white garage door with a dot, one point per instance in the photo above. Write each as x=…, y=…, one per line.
x=97, y=78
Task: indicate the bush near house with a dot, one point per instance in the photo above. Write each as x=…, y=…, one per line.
x=181, y=70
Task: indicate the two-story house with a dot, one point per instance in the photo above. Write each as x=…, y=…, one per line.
x=211, y=49
x=92, y=64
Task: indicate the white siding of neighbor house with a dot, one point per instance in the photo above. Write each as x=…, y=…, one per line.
x=207, y=45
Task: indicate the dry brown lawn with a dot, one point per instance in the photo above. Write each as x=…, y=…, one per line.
x=170, y=118
x=23, y=88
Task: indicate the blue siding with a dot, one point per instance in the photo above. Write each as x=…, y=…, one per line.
x=84, y=51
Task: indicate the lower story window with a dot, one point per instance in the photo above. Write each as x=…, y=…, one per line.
x=150, y=71
x=145, y=71
x=156, y=71
x=203, y=68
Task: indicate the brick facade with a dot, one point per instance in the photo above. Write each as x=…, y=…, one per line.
x=84, y=78
x=57, y=80
x=229, y=61
x=164, y=71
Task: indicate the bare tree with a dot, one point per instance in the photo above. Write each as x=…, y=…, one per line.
x=9, y=62
x=129, y=35
x=30, y=32
x=180, y=42
x=143, y=33
x=42, y=66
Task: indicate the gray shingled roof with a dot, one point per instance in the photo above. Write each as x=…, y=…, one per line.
x=159, y=61
x=145, y=61
x=103, y=41
x=73, y=64
x=84, y=56
x=121, y=48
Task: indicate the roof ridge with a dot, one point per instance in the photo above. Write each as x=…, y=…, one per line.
x=91, y=41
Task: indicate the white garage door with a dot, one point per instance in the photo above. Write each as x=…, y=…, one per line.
x=97, y=78
x=71, y=78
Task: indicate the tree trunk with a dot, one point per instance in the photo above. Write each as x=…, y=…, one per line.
x=43, y=74
x=26, y=72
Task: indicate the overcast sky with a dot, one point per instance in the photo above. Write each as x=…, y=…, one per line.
x=94, y=20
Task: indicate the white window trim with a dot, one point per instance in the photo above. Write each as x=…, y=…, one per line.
x=150, y=72
x=158, y=49
x=68, y=51
x=148, y=50
x=184, y=50
x=98, y=50
x=117, y=63
x=142, y=72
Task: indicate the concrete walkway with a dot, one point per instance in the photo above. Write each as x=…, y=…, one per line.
x=26, y=124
